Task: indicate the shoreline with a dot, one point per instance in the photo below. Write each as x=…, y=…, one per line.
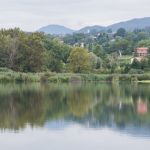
x=51, y=77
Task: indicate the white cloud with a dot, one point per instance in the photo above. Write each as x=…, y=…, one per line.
x=32, y=14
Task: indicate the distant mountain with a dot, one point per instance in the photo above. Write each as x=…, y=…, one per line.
x=90, y=29
x=56, y=30
x=130, y=25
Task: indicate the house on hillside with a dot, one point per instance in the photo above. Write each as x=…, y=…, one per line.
x=141, y=52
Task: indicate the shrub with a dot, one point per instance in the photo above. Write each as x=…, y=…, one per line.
x=3, y=69
x=134, y=79
x=136, y=71
x=64, y=79
x=75, y=78
x=143, y=77
x=5, y=79
x=126, y=78
x=53, y=79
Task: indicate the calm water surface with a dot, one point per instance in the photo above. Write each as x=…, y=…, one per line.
x=74, y=117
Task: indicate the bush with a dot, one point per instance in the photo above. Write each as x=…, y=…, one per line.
x=75, y=78
x=65, y=79
x=136, y=71
x=136, y=64
x=3, y=69
x=126, y=78
x=53, y=79
x=134, y=79
x=45, y=77
x=143, y=77
x=5, y=79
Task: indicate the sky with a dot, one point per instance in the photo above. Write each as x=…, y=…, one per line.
x=30, y=15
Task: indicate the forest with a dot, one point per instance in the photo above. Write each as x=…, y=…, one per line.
x=99, y=53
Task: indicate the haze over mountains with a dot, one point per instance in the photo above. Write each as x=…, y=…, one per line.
x=56, y=29
x=130, y=25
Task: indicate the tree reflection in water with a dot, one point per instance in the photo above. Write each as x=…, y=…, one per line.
x=95, y=105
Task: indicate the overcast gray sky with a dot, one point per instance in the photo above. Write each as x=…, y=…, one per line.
x=30, y=15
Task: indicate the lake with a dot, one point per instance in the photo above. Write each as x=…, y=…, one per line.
x=75, y=116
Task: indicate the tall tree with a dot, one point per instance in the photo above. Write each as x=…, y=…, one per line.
x=98, y=51
x=121, y=32
x=32, y=54
x=79, y=60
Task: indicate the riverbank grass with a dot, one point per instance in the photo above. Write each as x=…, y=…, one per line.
x=11, y=76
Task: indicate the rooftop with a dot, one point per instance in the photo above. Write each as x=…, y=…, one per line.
x=142, y=49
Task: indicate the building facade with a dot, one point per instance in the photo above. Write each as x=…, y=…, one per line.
x=141, y=52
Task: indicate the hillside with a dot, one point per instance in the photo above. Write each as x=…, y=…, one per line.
x=130, y=25
x=89, y=29
x=56, y=30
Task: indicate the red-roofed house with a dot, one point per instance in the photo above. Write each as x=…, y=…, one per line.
x=141, y=52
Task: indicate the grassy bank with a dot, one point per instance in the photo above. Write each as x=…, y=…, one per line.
x=144, y=81
x=10, y=76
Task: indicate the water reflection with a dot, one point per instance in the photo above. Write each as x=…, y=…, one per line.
x=122, y=108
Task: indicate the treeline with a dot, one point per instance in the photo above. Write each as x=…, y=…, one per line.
x=121, y=41
x=115, y=49
x=37, y=52
x=31, y=52
x=20, y=51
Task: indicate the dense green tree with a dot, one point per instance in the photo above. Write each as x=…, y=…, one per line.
x=79, y=60
x=148, y=59
x=121, y=32
x=121, y=46
x=136, y=64
x=112, y=62
x=144, y=43
x=32, y=54
x=21, y=52
x=58, y=54
x=93, y=60
x=9, y=44
x=98, y=51
x=142, y=36
x=144, y=63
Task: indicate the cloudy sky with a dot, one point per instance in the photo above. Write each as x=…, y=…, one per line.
x=30, y=15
